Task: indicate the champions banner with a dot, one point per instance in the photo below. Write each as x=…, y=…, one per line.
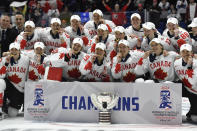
x=70, y=102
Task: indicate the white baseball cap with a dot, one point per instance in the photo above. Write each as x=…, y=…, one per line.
x=39, y=44
x=14, y=45
x=75, y=17
x=187, y=47
x=135, y=15
x=149, y=25
x=194, y=23
x=78, y=40
x=55, y=20
x=125, y=42
x=101, y=46
x=156, y=40
x=30, y=23
x=172, y=20
x=102, y=26
x=120, y=29
x=99, y=12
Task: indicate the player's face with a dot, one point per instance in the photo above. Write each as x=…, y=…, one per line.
x=29, y=29
x=157, y=48
x=119, y=35
x=100, y=52
x=55, y=27
x=185, y=54
x=39, y=51
x=14, y=51
x=19, y=20
x=96, y=17
x=100, y=32
x=76, y=48
x=135, y=22
x=194, y=29
x=75, y=23
x=123, y=49
x=171, y=26
x=148, y=32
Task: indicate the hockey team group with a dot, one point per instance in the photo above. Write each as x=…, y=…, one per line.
x=99, y=51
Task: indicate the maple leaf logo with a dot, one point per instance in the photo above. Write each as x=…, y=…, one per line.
x=23, y=44
x=3, y=70
x=160, y=74
x=15, y=79
x=189, y=72
x=93, y=48
x=91, y=80
x=74, y=73
x=113, y=54
x=129, y=77
x=88, y=66
x=61, y=55
x=180, y=42
x=32, y=75
x=85, y=40
x=118, y=68
x=186, y=82
x=41, y=69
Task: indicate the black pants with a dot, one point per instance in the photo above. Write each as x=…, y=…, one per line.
x=193, y=101
x=12, y=97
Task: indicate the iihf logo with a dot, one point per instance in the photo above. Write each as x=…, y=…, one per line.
x=165, y=99
x=39, y=100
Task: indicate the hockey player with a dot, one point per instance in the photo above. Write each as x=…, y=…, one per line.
x=92, y=25
x=193, y=35
x=125, y=62
x=176, y=34
x=69, y=60
x=150, y=32
x=36, y=62
x=15, y=66
x=94, y=67
x=103, y=36
x=186, y=70
x=29, y=36
x=135, y=30
x=76, y=30
x=54, y=37
x=157, y=63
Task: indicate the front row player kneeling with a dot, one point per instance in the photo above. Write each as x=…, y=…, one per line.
x=14, y=69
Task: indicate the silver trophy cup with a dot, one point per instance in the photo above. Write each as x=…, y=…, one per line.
x=104, y=102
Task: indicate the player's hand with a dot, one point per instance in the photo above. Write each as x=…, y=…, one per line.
x=147, y=53
x=70, y=52
x=165, y=53
x=93, y=58
x=8, y=58
x=119, y=57
x=5, y=54
x=25, y=34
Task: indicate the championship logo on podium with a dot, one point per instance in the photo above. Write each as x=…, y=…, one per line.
x=104, y=102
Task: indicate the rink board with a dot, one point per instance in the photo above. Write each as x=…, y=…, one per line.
x=70, y=102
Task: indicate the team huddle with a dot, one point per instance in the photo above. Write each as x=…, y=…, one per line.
x=99, y=51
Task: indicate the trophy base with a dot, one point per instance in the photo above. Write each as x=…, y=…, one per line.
x=104, y=117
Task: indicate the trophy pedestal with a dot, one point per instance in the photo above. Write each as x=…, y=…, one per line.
x=104, y=117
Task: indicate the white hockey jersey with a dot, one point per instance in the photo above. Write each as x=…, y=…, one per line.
x=52, y=42
x=70, y=64
x=28, y=43
x=36, y=70
x=93, y=72
x=183, y=37
x=125, y=69
x=188, y=75
x=161, y=67
x=131, y=31
x=92, y=29
x=17, y=72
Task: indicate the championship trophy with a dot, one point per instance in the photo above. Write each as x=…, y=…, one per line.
x=104, y=102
